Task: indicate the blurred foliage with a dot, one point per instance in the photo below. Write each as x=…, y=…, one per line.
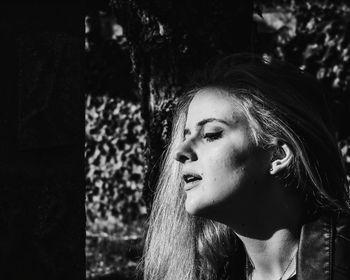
x=115, y=143
x=114, y=152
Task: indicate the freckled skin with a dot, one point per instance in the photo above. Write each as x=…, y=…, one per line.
x=234, y=171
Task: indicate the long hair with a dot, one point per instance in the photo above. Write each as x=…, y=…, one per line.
x=281, y=102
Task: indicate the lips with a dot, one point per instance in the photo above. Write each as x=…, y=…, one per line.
x=191, y=179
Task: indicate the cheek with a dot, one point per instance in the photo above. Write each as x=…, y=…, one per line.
x=231, y=169
x=224, y=168
x=230, y=158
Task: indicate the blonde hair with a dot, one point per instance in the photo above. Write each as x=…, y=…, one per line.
x=280, y=102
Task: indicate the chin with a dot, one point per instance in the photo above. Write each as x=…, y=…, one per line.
x=193, y=207
x=208, y=210
x=196, y=208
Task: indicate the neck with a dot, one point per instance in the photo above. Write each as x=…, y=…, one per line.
x=271, y=237
x=272, y=258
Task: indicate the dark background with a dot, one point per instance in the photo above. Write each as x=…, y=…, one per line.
x=42, y=219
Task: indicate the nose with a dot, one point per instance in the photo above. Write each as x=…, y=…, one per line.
x=185, y=152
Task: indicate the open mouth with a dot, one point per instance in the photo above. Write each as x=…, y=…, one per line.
x=191, y=180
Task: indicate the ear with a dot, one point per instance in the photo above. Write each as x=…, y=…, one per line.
x=282, y=161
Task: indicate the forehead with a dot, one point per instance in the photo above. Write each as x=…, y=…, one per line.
x=212, y=103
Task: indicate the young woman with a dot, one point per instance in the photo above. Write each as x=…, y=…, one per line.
x=252, y=184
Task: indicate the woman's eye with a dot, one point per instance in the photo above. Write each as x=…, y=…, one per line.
x=212, y=136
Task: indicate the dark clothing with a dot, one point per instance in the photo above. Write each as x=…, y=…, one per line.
x=323, y=254
x=324, y=249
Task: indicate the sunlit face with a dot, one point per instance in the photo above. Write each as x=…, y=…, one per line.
x=219, y=149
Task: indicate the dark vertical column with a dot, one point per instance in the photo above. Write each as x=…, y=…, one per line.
x=42, y=218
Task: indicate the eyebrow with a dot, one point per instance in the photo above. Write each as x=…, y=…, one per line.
x=203, y=122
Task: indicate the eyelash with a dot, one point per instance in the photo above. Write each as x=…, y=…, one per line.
x=210, y=137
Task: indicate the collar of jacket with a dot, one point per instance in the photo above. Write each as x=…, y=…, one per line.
x=315, y=254
x=324, y=248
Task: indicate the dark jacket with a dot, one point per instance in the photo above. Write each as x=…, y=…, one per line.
x=324, y=249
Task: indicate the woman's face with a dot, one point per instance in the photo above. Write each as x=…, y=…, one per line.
x=224, y=171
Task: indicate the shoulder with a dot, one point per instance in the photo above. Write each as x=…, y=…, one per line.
x=342, y=245
x=342, y=225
